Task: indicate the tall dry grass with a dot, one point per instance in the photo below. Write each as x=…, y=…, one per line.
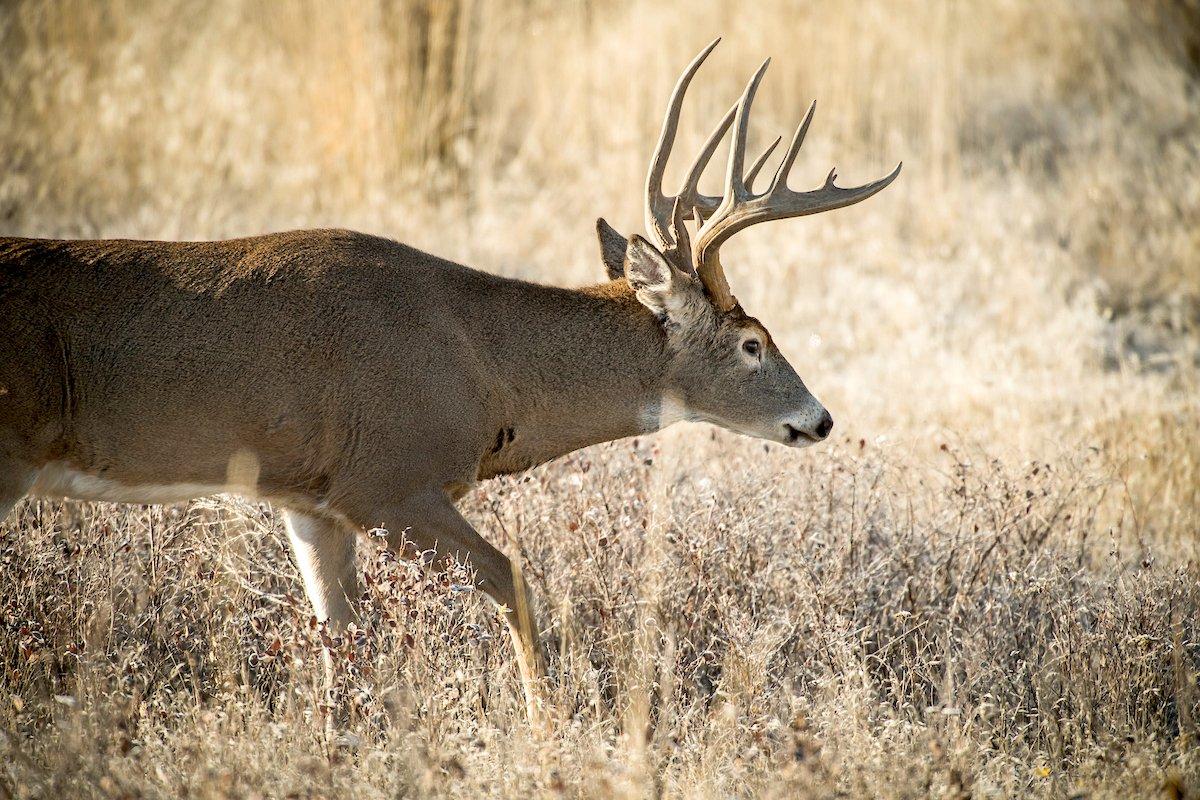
x=985, y=585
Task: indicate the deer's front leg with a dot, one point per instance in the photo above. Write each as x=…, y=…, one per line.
x=431, y=521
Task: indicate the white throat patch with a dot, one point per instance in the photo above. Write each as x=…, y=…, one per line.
x=664, y=413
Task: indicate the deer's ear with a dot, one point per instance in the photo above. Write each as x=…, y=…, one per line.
x=659, y=286
x=612, y=249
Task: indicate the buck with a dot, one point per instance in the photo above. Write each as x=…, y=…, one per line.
x=357, y=383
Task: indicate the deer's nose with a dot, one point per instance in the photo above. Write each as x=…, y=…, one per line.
x=824, y=426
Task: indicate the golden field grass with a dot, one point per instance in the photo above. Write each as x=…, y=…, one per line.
x=985, y=584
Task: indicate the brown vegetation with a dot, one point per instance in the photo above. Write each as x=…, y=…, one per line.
x=985, y=584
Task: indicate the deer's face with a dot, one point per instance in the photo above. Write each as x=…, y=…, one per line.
x=724, y=366
x=728, y=371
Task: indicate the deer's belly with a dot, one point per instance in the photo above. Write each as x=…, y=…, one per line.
x=58, y=480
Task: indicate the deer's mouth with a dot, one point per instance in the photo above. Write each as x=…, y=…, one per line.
x=796, y=436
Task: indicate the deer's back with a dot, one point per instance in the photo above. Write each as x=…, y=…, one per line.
x=142, y=358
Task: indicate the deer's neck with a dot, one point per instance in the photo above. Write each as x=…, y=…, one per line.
x=577, y=367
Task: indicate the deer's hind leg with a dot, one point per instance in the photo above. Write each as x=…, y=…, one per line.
x=16, y=480
x=324, y=550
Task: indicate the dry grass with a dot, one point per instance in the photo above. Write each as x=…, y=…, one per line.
x=987, y=585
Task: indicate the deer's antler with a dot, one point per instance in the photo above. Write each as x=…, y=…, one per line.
x=718, y=218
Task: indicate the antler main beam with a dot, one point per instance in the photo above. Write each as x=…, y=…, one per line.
x=719, y=218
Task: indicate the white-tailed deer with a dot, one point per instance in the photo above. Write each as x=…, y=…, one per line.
x=358, y=383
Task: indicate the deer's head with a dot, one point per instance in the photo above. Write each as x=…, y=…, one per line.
x=725, y=367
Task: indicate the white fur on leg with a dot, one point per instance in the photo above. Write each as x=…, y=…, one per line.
x=325, y=555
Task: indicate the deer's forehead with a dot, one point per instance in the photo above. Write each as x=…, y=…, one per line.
x=744, y=324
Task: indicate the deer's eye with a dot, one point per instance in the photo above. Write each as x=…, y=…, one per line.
x=753, y=347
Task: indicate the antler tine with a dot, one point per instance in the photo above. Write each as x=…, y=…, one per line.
x=690, y=190
x=659, y=207
x=758, y=165
x=710, y=272
x=735, y=180
x=785, y=166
